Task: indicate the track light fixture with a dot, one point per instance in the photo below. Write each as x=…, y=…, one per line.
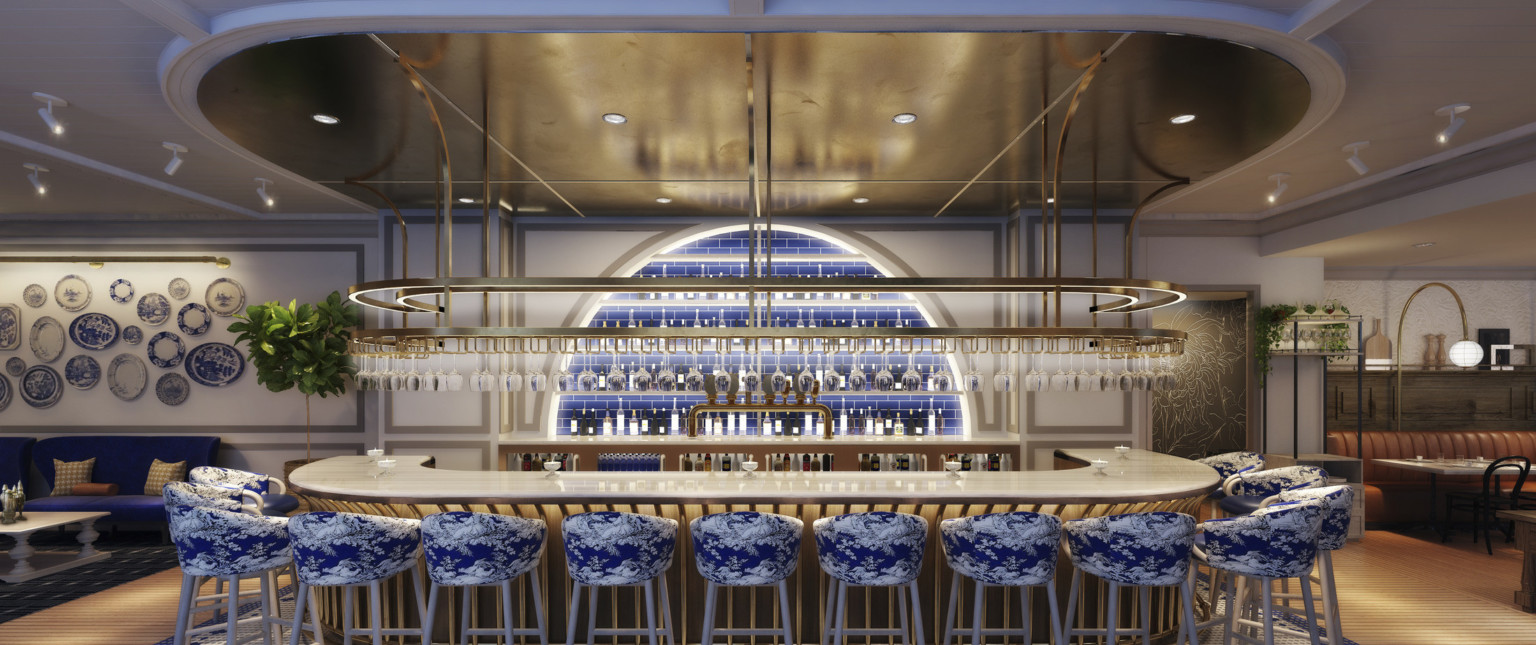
x=1453, y=112
x=54, y=125
x=265, y=192
x=1280, y=185
x=37, y=181
x=1354, y=156
x=175, y=163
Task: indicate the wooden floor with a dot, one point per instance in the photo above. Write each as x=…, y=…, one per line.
x=1394, y=589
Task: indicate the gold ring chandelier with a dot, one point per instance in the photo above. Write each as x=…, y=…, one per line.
x=435, y=295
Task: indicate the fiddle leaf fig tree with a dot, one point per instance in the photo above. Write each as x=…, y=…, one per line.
x=300, y=346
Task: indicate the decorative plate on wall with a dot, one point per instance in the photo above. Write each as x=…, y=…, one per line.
x=34, y=295
x=127, y=377
x=226, y=297
x=10, y=327
x=47, y=339
x=166, y=349
x=179, y=289
x=133, y=335
x=172, y=389
x=194, y=319
x=5, y=393
x=82, y=372
x=121, y=291
x=72, y=292
x=93, y=331
x=15, y=366
x=214, y=364
x=41, y=386
x=154, y=309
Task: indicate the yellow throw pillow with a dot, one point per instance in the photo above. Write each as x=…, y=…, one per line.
x=161, y=473
x=68, y=473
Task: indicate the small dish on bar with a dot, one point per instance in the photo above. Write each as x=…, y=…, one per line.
x=748, y=467
x=552, y=467
x=1100, y=464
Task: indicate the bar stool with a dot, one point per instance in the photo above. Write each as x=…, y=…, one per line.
x=875, y=549
x=1272, y=543
x=349, y=550
x=1136, y=549
x=746, y=549
x=266, y=501
x=1002, y=550
x=1229, y=464
x=229, y=546
x=219, y=497
x=479, y=549
x=1338, y=503
x=1246, y=492
x=612, y=549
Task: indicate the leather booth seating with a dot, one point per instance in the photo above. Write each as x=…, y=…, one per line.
x=121, y=460
x=1398, y=495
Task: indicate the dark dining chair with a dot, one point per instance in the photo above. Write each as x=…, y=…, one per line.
x=1482, y=505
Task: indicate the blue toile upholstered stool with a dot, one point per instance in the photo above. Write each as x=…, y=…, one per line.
x=263, y=498
x=1246, y=492
x=349, y=550
x=1338, y=502
x=478, y=549
x=1002, y=550
x=876, y=549
x=1272, y=543
x=1230, y=464
x=746, y=549
x=612, y=549
x=227, y=545
x=1139, y=550
x=224, y=499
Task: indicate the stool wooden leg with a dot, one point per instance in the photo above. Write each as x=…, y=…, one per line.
x=1187, y=619
x=917, y=612
x=842, y=606
x=376, y=610
x=1146, y=614
x=1330, y=598
x=467, y=598
x=1067, y=623
x=347, y=622
x=299, y=597
x=1306, y=598
x=976, y=637
x=265, y=611
x=538, y=605
x=184, y=608
x=1269, y=612
x=789, y=638
x=1232, y=584
x=1112, y=614
x=708, y=636
x=901, y=608
x=1057, y=633
x=666, y=610
x=428, y=617
x=650, y=610
x=232, y=609
x=592, y=612
x=1029, y=627
x=506, y=610
x=949, y=616
x=570, y=618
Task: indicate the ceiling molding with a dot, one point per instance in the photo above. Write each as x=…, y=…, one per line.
x=184, y=62
x=174, y=15
x=1429, y=273
x=185, y=229
x=1197, y=228
x=87, y=163
x=1319, y=16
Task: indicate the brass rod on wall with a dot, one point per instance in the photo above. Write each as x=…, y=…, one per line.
x=1397, y=397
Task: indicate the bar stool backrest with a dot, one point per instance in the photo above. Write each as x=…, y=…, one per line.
x=1338, y=504
x=610, y=548
x=1150, y=549
x=214, y=542
x=230, y=477
x=1277, y=541
x=348, y=548
x=746, y=547
x=878, y=548
x=465, y=548
x=1265, y=483
x=1015, y=549
x=1232, y=463
x=185, y=494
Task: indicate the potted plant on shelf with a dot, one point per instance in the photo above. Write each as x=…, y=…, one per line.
x=300, y=347
x=1268, y=326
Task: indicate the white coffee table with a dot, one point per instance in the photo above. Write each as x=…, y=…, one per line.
x=26, y=563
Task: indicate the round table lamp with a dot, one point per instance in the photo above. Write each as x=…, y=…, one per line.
x=1466, y=353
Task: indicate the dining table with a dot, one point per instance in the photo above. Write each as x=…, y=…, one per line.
x=1435, y=468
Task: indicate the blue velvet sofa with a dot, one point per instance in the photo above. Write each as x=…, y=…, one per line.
x=15, y=460
x=121, y=460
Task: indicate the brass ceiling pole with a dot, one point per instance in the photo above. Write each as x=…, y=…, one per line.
x=1397, y=397
x=1130, y=226
x=1061, y=150
x=405, y=238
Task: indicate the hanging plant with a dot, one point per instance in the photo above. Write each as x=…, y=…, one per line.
x=1268, y=325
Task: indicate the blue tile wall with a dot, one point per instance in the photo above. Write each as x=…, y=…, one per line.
x=677, y=269
x=740, y=242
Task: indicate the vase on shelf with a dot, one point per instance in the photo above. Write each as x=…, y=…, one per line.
x=1377, y=345
x=1429, y=352
x=1440, y=358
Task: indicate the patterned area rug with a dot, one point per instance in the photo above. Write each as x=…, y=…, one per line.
x=134, y=555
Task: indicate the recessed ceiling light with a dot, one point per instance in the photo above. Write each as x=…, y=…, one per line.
x=1050, y=200
x=37, y=181
x=327, y=119
x=54, y=125
x=615, y=118
x=1423, y=245
x=861, y=200
x=265, y=192
x=1280, y=186
x=1182, y=119
x=466, y=200
x=663, y=200
x=904, y=118
x=1453, y=112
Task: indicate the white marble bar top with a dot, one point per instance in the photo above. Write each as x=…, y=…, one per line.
x=1137, y=477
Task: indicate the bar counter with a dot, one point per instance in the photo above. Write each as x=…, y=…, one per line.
x=1137, y=482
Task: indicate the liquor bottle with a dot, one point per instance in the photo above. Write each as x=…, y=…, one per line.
x=778, y=425
x=709, y=462
x=816, y=465
x=607, y=424
x=931, y=429
x=993, y=462
x=741, y=423
x=889, y=429
x=805, y=462
x=673, y=428
x=687, y=463
x=527, y=462
x=796, y=426
x=574, y=424
x=903, y=462
x=939, y=423
x=807, y=425
x=725, y=462
x=899, y=426
x=826, y=461
x=730, y=423
x=842, y=421
x=874, y=461
x=619, y=419
x=965, y=462
x=863, y=461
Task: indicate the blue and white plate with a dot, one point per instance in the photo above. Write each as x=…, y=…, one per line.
x=194, y=319
x=82, y=372
x=127, y=377
x=179, y=289
x=172, y=389
x=154, y=309
x=214, y=364
x=34, y=295
x=93, y=331
x=10, y=327
x=15, y=366
x=41, y=386
x=5, y=393
x=47, y=339
x=226, y=297
x=121, y=291
x=72, y=292
x=133, y=335
x=166, y=349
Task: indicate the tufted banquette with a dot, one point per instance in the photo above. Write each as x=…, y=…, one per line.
x=1399, y=495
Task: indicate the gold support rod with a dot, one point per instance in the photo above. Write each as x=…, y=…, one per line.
x=1130, y=226
x=405, y=238
x=1397, y=397
x=221, y=262
x=1061, y=151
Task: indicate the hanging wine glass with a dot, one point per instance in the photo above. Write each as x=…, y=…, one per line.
x=831, y=381
x=362, y=377
x=413, y=379
x=858, y=381
x=972, y=381
x=1111, y=380
x=1003, y=380
x=440, y=377
x=1127, y=379
x=616, y=378
x=805, y=381
x=1032, y=378
x=1061, y=381
x=884, y=380
x=911, y=380
x=750, y=379
x=454, y=380
x=536, y=380
x=642, y=379
x=943, y=380
x=778, y=379
x=694, y=381
x=666, y=379
x=1144, y=377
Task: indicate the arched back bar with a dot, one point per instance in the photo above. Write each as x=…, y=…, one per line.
x=1138, y=481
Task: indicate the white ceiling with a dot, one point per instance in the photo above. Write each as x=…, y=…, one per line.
x=1402, y=59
